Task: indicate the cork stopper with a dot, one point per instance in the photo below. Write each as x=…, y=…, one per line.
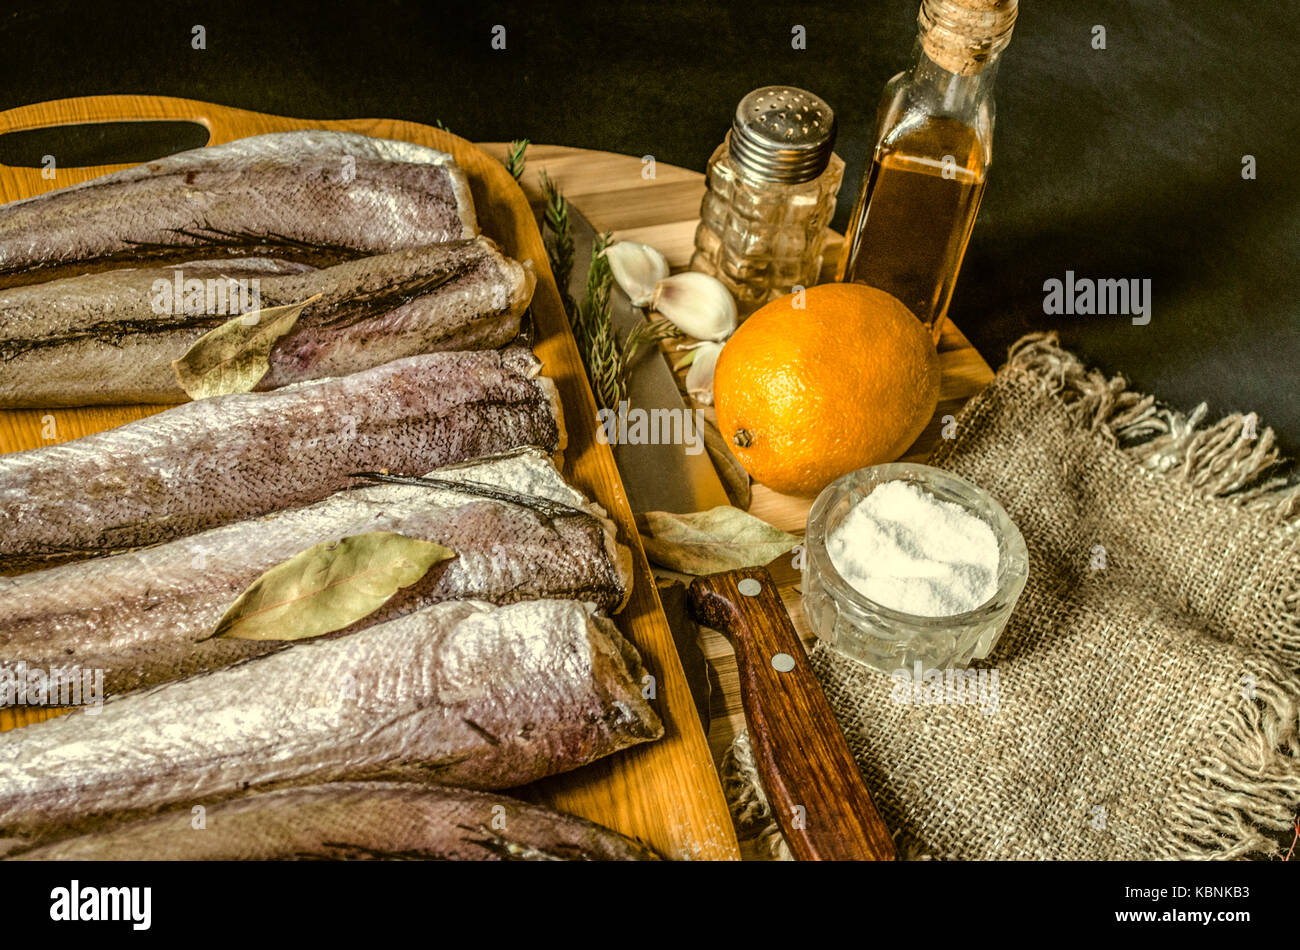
x=963, y=35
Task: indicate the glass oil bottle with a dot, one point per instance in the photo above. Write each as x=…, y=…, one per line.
x=933, y=148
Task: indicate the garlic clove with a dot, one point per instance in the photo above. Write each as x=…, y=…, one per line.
x=699, y=378
x=636, y=268
x=697, y=304
x=689, y=351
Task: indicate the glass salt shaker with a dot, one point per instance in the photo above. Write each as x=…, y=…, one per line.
x=770, y=196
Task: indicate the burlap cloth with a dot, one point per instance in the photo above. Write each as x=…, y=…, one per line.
x=1147, y=701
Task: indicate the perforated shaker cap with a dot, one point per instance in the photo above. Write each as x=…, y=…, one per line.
x=783, y=134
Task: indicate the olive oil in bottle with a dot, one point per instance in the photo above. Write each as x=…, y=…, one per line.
x=934, y=134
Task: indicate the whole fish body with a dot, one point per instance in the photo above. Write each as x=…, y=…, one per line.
x=356, y=821
x=230, y=458
x=111, y=337
x=460, y=693
x=308, y=195
x=144, y=617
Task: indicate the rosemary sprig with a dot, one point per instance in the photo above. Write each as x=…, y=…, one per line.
x=516, y=159
x=606, y=362
x=646, y=334
x=559, y=247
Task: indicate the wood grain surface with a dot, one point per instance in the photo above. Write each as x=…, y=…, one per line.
x=816, y=791
x=666, y=793
x=614, y=194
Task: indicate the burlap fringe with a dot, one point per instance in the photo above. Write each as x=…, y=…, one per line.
x=750, y=810
x=1231, y=459
x=1253, y=779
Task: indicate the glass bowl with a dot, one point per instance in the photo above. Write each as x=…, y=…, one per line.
x=888, y=639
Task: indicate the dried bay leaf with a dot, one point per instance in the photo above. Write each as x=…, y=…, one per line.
x=704, y=542
x=233, y=357
x=329, y=586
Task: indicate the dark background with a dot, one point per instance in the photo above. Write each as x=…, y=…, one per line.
x=1123, y=162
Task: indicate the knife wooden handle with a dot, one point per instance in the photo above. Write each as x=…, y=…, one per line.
x=808, y=773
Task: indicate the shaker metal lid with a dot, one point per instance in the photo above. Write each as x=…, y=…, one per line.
x=781, y=133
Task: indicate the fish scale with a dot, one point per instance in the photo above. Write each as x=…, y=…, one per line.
x=460, y=693
x=99, y=338
x=288, y=194
x=230, y=458
x=146, y=616
x=355, y=821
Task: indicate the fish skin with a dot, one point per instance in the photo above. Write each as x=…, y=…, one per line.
x=230, y=458
x=82, y=373
x=291, y=194
x=479, y=308
x=96, y=339
x=356, y=821
x=459, y=693
x=145, y=617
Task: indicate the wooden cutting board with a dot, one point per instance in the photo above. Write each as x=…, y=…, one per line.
x=666, y=793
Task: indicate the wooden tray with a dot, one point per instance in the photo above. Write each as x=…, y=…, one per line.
x=666, y=793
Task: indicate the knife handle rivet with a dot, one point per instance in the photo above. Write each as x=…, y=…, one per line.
x=750, y=587
x=782, y=662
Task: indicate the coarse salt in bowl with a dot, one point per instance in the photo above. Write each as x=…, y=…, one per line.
x=886, y=638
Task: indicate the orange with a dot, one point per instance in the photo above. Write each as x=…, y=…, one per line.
x=807, y=394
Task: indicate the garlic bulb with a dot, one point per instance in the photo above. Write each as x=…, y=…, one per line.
x=699, y=378
x=697, y=304
x=636, y=268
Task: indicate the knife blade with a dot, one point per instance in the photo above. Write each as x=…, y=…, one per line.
x=686, y=635
x=658, y=477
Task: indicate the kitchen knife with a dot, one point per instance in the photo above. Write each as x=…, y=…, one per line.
x=657, y=477
x=811, y=780
x=686, y=635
